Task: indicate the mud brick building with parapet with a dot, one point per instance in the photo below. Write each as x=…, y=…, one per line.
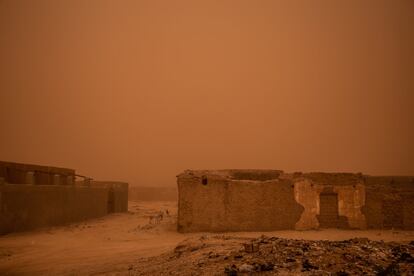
x=265, y=200
x=33, y=196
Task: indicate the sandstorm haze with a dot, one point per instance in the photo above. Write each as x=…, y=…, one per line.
x=141, y=90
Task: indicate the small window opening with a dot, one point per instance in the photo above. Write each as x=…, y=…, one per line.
x=204, y=180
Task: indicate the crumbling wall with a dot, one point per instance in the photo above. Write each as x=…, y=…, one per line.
x=307, y=195
x=270, y=200
x=261, y=205
x=363, y=201
x=351, y=201
x=216, y=202
x=350, y=191
x=255, y=175
x=389, y=202
x=201, y=204
x=408, y=211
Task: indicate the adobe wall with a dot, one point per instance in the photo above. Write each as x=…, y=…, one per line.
x=272, y=200
x=26, y=207
x=349, y=189
x=389, y=202
x=210, y=201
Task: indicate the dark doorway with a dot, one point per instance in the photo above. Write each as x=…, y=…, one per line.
x=328, y=217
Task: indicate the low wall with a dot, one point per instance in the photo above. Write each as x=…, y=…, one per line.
x=117, y=195
x=26, y=207
x=218, y=204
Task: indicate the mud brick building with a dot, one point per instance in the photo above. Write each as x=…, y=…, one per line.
x=264, y=200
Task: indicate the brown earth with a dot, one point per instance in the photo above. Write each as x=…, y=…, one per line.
x=233, y=255
x=127, y=244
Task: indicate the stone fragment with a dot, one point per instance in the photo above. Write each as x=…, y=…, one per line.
x=231, y=270
x=246, y=268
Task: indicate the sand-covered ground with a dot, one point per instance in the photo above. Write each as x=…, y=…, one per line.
x=127, y=244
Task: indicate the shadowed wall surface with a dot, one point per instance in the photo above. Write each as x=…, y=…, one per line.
x=117, y=194
x=389, y=202
x=50, y=201
x=26, y=207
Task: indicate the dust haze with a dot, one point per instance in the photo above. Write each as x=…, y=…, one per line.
x=141, y=90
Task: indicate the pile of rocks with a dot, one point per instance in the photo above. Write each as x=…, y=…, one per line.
x=231, y=255
x=349, y=257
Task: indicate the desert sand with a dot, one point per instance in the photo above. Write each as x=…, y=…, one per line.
x=119, y=244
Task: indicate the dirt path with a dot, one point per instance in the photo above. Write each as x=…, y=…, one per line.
x=91, y=246
x=114, y=243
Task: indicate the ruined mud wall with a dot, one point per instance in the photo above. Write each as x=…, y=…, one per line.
x=348, y=190
x=389, y=202
x=201, y=207
x=217, y=203
x=25, y=207
x=222, y=201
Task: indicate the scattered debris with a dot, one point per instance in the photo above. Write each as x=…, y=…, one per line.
x=246, y=268
x=215, y=255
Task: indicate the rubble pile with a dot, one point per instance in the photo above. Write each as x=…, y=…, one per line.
x=349, y=257
x=229, y=255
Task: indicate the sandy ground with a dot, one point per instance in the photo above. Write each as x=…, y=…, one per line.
x=113, y=244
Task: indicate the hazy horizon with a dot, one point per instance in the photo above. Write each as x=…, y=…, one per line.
x=139, y=91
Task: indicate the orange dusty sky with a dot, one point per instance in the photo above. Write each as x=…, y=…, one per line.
x=141, y=90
